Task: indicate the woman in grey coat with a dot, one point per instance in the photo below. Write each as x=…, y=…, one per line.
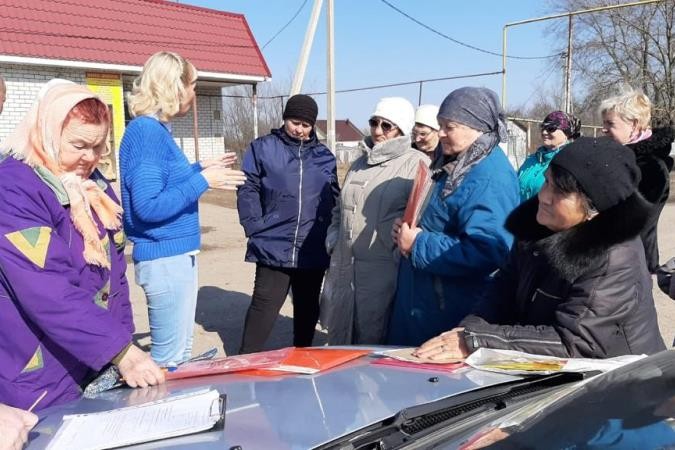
x=361, y=280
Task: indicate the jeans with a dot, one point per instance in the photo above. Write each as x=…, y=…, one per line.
x=170, y=286
x=269, y=293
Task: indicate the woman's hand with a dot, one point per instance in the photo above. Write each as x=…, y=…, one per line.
x=448, y=345
x=139, y=370
x=406, y=238
x=219, y=177
x=14, y=427
x=225, y=160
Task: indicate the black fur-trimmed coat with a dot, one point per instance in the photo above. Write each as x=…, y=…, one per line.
x=655, y=166
x=582, y=292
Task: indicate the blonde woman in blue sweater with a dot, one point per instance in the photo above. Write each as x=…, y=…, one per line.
x=160, y=193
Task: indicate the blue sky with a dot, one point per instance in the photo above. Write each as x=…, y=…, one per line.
x=376, y=45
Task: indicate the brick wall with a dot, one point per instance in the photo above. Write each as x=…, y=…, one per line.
x=211, y=142
x=23, y=83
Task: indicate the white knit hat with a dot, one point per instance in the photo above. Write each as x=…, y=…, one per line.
x=426, y=115
x=398, y=111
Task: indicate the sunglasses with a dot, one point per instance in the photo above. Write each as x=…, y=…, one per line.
x=548, y=128
x=383, y=124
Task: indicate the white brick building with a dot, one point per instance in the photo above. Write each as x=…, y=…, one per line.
x=42, y=40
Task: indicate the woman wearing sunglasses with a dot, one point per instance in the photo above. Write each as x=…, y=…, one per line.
x=461, y=239
x=361, y=280
x=557, y=130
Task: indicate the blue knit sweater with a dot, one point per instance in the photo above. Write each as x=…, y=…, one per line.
x=160, y=192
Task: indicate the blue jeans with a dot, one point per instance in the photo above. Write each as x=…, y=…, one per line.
x=170, y=286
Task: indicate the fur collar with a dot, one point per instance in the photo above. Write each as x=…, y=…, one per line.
x=658, y=145
x=573, y=252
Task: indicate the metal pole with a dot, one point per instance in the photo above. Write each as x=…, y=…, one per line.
x=419, y=97
x=556, y=16
x=306, y=48
x=568, y=69
x=195, y=126
x=504, y=67
x=254, y=99
x=330, y=103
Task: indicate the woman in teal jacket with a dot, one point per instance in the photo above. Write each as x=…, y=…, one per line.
x=557, y=130
x=461, y=237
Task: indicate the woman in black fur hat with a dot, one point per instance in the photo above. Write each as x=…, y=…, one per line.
x=625, y=118
x=577, y=283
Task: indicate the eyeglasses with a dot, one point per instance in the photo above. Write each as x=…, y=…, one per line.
x=422, y=134
x=383, y=124
x=548, y=128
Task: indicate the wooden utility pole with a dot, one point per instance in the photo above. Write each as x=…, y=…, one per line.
x=330, y=104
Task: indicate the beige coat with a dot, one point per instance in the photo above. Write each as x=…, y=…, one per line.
x=361, y=281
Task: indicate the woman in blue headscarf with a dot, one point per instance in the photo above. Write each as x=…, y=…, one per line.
x=461, y=237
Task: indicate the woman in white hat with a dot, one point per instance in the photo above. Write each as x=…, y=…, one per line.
x=425, y=134
x=361, y=280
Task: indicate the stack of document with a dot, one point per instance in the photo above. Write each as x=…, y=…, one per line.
x=170, y=417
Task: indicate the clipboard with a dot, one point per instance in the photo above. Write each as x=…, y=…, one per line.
x=175, y=416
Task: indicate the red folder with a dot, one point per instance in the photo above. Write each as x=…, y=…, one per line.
x=275, y=362
x=421, y=187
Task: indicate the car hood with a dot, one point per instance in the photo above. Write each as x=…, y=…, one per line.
x=289, y=411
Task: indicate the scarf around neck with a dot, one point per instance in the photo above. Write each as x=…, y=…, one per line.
x=460, y=166
x=36, y=141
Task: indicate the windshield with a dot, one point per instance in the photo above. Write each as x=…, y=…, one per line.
x=630, y=407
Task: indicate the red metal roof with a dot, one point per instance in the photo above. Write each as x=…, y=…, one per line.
x=344, y=130
x=127, y=32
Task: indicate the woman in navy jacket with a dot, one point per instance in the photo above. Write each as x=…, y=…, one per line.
x=285, y=208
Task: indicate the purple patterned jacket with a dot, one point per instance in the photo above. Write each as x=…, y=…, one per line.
x=61, y=320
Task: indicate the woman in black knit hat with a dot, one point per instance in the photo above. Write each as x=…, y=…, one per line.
x=576, y=284
x=285, y=208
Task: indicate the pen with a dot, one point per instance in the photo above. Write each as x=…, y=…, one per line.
x=35, y=403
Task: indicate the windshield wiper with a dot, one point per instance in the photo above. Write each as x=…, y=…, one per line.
x=415, y=422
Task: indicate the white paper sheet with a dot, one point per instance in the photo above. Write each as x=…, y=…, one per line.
x=173, y=416
x=520, y=363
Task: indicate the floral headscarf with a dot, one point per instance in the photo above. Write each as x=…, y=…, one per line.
x=36, y=141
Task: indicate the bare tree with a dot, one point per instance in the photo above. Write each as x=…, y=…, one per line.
x=632, y=46
x=238, y=114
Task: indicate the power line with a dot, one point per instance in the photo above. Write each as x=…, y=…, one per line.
x=287, y=24
x=379, y=86
x=406, y=83
x=464, y=44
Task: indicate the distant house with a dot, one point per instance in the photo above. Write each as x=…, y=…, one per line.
x=346, y=133
x=347, y=138
x=104, y=44
x=516, y=147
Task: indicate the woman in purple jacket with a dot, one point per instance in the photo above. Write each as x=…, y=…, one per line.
x=64, y=299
